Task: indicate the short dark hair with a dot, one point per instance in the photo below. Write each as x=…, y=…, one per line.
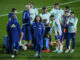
x=43, y=8
x=32, y=3
x=13, y=9
x=56, y=4
x=52, y=16
x=36, y=17
x=72, y=12
x=67, y=7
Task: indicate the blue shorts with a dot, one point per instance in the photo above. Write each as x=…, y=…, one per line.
x=58, y=37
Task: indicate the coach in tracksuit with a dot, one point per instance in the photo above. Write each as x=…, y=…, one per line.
x=72, y=30
x=14, y=31
x=38, y=33
x=26, y=25
x=14, y=11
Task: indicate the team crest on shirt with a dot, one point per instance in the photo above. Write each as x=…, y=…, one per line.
x=40, y=27
x=13, y=26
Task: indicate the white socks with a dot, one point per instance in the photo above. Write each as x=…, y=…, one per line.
x=61, y=47
x=20, y=43
x=57, y=48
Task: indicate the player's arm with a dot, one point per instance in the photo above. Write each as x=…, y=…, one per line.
x=71, y=21
x=23, y=16
x=68, y=21
x=20, y=31
x=76, y=20
x=62, y=12
x=51, y=12
x=9, y=17
x=49, y=22
x=8, y=28
x=43, y=30
x=36, y=11
x=62, y=20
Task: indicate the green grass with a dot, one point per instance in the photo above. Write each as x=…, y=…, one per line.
x=5, y=8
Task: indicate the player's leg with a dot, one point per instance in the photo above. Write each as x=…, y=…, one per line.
x=36, y=49
x=25, y=36
x=60, y=44
x=21, y=38
x=70, y=45
x=40, y=49
x=68, y=42
x=50, y=37
x=11, y=49
x=57, y=44
x=30, y=43
x=29, y=39
x=73, y=38
x=17, y=47
x=63, y=38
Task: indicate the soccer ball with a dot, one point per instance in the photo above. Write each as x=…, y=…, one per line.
x=24, y=47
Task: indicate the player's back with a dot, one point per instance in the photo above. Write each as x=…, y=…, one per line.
x=14, y=29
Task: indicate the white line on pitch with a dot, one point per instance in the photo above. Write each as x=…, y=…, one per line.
x=47, y=6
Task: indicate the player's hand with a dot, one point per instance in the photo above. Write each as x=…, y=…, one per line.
x=70, y=23
x=70, y=17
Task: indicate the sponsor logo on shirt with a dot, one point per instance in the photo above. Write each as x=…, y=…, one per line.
x=13, y=26
x=40, y=27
